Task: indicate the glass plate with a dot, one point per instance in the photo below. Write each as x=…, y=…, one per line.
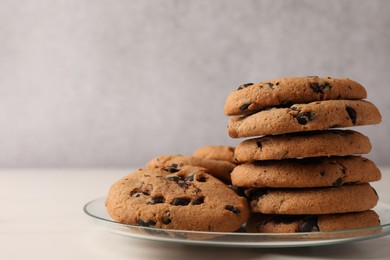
x=97, y=212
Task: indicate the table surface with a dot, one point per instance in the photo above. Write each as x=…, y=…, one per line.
x=41, y=217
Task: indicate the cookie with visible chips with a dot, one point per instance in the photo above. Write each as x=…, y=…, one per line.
x=303, y=144
x=185, y=199
x=261, y=223
x=329, y=200
x=252, y=97
x=216, y=152
x=217, y=168
x=319, y=115
x=306, y=173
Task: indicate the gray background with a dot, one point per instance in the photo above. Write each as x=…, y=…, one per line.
x=115, y=83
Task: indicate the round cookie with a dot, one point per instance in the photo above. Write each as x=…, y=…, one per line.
x=305, y=173
x=219, y=169
x=343, y=199
x=260, y=223
x=303, y=144
x=252, y=97
x=319, y=115
x=187, y=199
x=216, y=152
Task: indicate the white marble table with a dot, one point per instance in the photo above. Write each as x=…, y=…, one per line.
x=41, y=217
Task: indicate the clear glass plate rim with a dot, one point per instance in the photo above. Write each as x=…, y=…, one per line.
x=85, y=209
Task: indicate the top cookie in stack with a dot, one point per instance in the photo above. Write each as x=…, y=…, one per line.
x=292, y=120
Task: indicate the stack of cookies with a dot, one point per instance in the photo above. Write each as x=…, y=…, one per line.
x=300, y=170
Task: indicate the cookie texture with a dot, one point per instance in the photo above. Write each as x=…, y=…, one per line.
x=343, y=199
x=305, y=173
x=185, y=199
x=260, y=223
x=303, y=144
x=216, y=152
x=253, y=97
x=217, y=168
x=318, y=115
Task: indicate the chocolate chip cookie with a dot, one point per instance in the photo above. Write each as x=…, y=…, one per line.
x=217, y=168
x=253, y=97
x=329, y=200
x=307, y=172
x=216, y=152
x=303, y=144
x=319, y=115
x=186, y=198
x=261, y=223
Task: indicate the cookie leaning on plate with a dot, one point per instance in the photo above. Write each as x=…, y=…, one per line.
x=187, y=199
x=217, y=168
x=260, y=223
x=319, y=115
x=305, y=173
x=303, y=144
x=252, y=97
x=342, y=199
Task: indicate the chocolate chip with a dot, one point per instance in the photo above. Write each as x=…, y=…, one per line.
x=148, y=223
x=189, y=178
x=183, y=184
x=166, y=220
x=304, y=117
x=259, y=144
x=173, y=178
x=180, y=181
x=198, y=201
x=201, y=178
x=244, y=107
x=172, y=169
x=270, y=85
x=351, y=114
x=317, y=88
x=338, y=182
x=232, y=209
x=322, y=174
x=181, y=202
x=156, y=200
x=309, y=225
x=244, y=86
